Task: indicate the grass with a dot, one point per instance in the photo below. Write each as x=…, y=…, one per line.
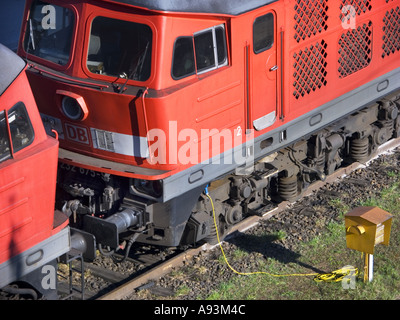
x=325, y=253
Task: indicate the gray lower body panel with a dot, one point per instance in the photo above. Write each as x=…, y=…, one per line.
x=35, y=257
x=285, y=135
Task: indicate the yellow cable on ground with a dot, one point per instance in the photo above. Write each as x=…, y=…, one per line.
x=338, y=275
x=334, y=276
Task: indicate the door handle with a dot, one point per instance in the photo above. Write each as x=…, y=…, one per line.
x=274, y=68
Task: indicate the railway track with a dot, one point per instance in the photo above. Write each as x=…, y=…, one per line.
x=151, y=264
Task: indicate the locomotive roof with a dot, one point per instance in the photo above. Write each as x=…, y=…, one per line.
x=10, y=67
x=230, y=7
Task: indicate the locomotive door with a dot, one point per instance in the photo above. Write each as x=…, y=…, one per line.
x=263, y=73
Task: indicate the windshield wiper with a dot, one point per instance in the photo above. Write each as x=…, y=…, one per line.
x=31, y=37
x=136, y=73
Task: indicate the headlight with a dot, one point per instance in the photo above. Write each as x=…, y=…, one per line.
x=73, y=106
x=147, y=188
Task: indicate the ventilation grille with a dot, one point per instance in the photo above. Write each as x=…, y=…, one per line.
x=310, y=17
x=309, y=69
x=391, y=30
x=355, y=50
x=360, y=7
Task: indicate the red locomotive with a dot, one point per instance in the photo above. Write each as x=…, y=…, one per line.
x=32, y=234
x=153, y=101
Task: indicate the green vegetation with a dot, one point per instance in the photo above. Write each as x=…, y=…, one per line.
x=323, y=254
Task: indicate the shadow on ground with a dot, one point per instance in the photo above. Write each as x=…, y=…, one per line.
x=267, y=246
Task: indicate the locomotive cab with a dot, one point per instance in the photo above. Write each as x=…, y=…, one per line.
x=32, y=233
x=114, y=92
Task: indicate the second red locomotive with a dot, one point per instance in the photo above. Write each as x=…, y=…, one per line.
x=32, y=234
x=153, y=101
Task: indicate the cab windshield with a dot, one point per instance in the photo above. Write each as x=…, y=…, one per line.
x=120, y=49
x=49, y=30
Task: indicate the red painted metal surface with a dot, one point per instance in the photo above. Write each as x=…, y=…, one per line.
x=27, y=177
x=314, y=58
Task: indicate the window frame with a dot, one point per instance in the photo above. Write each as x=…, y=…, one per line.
x=123, y=18
x=42, y=60
x=225, y=45
x=8, y=123
x=270, y=43
x=192, y=56
x=216, y=64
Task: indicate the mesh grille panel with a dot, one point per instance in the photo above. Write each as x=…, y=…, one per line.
x=310, y=17
x=360, y=6
x=309, y=69
x=355, y=50
x=391, y=30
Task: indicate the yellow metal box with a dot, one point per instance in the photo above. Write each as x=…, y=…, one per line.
x=366, y=227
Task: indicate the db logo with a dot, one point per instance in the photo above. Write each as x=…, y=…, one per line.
x=77, y=133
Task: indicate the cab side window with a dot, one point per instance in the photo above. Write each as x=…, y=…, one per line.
x=222, y=53
x=203, y=52
x=263, y=33
x=183, y=62
x=20, y=127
